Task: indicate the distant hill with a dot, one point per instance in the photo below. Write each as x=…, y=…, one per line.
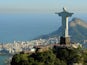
x=77, y=31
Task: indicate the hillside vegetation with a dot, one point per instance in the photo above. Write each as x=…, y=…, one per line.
x=59, y=56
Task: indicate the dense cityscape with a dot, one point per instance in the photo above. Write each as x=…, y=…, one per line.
x=18, y=46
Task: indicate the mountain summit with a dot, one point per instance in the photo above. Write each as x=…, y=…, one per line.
x=77, y=21
x=77, y=31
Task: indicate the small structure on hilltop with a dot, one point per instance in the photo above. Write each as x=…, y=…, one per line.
x=65, y=38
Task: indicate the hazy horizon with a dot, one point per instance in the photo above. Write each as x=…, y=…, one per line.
x=41, y=6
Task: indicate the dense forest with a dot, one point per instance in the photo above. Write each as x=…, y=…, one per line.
x=55, y=56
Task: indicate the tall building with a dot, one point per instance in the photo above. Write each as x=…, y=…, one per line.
x=65, y=38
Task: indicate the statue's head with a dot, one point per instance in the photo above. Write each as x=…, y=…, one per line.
x=64, y=9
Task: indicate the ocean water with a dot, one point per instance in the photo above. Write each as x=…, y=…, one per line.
x=24, y=27
x=3, y=59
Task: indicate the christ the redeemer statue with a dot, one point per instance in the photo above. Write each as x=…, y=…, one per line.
x=65, y=38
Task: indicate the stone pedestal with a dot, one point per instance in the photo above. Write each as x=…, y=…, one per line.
x=65, y=40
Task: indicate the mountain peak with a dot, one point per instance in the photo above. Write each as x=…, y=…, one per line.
x=78, y=21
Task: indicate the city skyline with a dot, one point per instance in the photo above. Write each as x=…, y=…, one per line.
x=41, y=6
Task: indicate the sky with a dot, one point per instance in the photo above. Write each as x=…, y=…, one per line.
x=42, y=6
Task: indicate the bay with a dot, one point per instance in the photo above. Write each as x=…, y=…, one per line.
x=22, y=27
x=3, y=59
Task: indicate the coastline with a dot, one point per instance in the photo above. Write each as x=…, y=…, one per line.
x=5, y=59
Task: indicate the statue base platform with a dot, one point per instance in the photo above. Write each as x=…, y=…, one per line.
x=65, y=40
